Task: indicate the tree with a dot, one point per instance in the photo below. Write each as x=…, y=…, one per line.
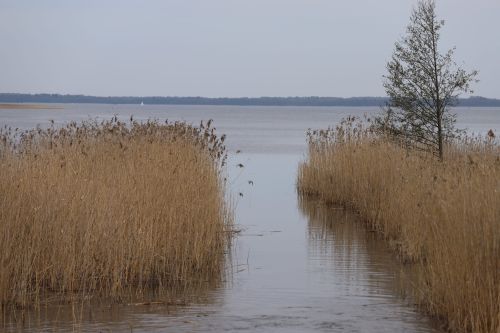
x=422, y=85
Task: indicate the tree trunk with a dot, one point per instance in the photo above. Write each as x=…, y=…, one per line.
x=440, y=132
x=437, y=102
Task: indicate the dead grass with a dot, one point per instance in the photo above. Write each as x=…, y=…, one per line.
x=103, y=208
x=443, y=217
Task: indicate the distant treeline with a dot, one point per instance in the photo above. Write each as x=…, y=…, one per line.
x=263, y=101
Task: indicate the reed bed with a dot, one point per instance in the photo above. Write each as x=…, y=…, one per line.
x=443, y=217
x=106, y=208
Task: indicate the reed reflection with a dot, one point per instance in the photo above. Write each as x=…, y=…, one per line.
x=136, y=311
x=352, y=254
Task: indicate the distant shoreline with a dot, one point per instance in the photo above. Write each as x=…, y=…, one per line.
x=25, y=106
x=37, y=99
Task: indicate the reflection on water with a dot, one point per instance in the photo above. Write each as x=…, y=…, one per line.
x=354, y=252
x=340, y=245
x=134, y=311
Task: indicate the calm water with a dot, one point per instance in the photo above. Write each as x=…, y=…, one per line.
x=296, y=267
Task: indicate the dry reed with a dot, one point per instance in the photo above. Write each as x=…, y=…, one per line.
x=104, y=208
x=442, y=216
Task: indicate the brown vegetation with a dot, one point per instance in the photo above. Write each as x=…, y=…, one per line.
x=23, y=106
x=442, y=216
x=102, y=208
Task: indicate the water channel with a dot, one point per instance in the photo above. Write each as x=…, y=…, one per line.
x=297, y=266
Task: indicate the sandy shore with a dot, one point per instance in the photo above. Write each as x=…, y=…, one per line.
x=22, y=106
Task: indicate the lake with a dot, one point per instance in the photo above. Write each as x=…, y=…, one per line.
x=297, y=266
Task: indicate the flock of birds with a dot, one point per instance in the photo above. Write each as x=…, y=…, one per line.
x=240, y=165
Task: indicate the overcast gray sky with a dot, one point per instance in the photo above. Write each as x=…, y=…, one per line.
x=227, y=47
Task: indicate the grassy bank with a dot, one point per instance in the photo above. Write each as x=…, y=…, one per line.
x=443, y=217
x=103, y=208
x=23, y=106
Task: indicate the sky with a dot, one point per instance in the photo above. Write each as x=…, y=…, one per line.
x=227, y=48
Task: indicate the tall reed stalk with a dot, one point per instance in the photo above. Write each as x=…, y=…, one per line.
x=442, y=216
x=103, y=208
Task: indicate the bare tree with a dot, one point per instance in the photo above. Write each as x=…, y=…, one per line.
x=422, y=85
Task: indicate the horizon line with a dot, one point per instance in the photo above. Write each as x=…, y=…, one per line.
x=219, y=97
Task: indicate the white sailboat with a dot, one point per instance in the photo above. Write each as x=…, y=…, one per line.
x=142, y=103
